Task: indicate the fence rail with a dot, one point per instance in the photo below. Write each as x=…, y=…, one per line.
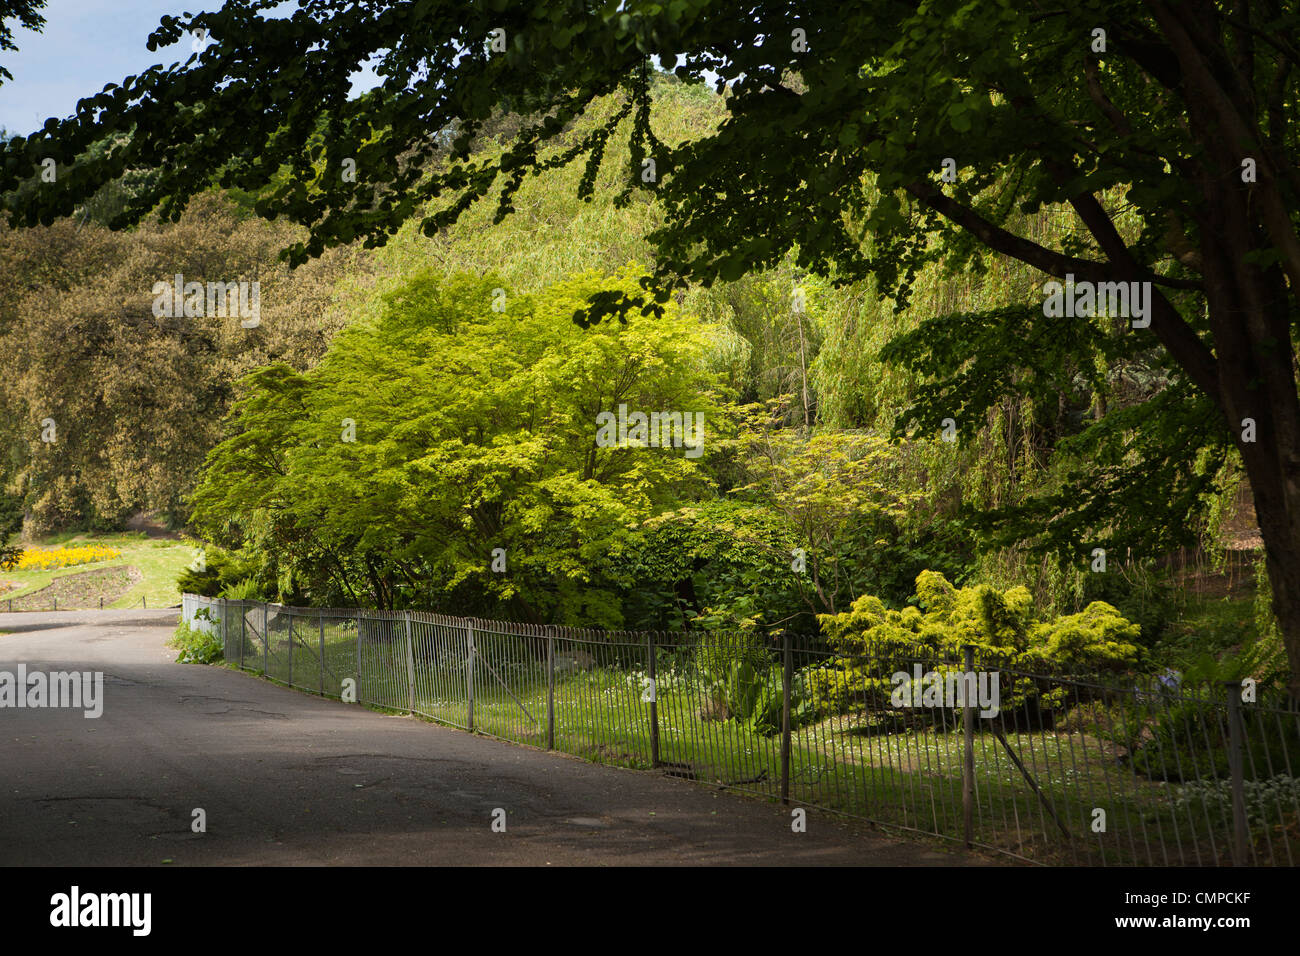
x=37, y=601
x=1047, y=769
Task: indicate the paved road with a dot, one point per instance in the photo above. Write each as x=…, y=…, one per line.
x=290, y=779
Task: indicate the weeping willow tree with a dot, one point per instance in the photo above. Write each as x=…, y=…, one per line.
x=1021, y=421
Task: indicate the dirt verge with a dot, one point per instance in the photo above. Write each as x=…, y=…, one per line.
x=84, y=589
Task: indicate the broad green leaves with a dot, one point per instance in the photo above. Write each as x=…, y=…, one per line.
x=475, y=425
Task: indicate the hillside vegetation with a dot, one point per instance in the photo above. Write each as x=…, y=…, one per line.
x=414, y=426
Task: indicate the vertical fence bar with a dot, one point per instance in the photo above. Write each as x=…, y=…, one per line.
x=290, y=648
x=787, y=672
x=320, y=620
x=359, y=629
x=243, y=633
x=550, y=687
x=654, y=702
x=968, y=761
x=469, y=673
x=1235, y=735
x=410, y=665
x=223, y=621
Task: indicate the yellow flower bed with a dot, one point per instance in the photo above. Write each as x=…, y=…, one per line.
x=48, y=559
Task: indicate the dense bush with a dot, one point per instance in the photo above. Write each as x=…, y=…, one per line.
x=872, y=641
x=738, y=677
x=1138, y=598
x=713, y=565
x=1189, y=741
x=218, y=573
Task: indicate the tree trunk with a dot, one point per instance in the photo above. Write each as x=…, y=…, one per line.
x=1250, y=320
x=1283, y=561
x=1250, y=307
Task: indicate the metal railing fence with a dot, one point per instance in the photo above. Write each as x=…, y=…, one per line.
x=1068, y=769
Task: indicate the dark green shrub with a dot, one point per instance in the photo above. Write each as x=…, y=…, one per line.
x=219, y=572
x=1139, y=599
x=1189, y=741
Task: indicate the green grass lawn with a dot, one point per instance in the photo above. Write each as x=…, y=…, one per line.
x=158, y=560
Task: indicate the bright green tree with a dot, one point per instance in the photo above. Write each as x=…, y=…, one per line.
x=447, y=453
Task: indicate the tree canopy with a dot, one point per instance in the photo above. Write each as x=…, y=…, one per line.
x=446, y=451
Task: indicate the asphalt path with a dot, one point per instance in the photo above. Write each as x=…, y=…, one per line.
x=285, y=779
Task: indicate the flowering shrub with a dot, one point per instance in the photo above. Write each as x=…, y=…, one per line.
x=48, y=559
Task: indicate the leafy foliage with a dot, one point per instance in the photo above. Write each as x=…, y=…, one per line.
x=819, y=165
x=449, y=428
x=1002, y=626
x=136, y=400
x=217, y=574
x=196, y=646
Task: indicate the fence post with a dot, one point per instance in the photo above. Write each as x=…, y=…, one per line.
x=550, y=687
x=320, y=618
x=968, y=748
x=469, y=672
x=266, y=646
x=290, y=648
x=224, y=618
x=1235, y=742
x=243, y=633
x=787, y=673
x=654, y=703
x=56, y=604
x=359, y=613
x=410, y=665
